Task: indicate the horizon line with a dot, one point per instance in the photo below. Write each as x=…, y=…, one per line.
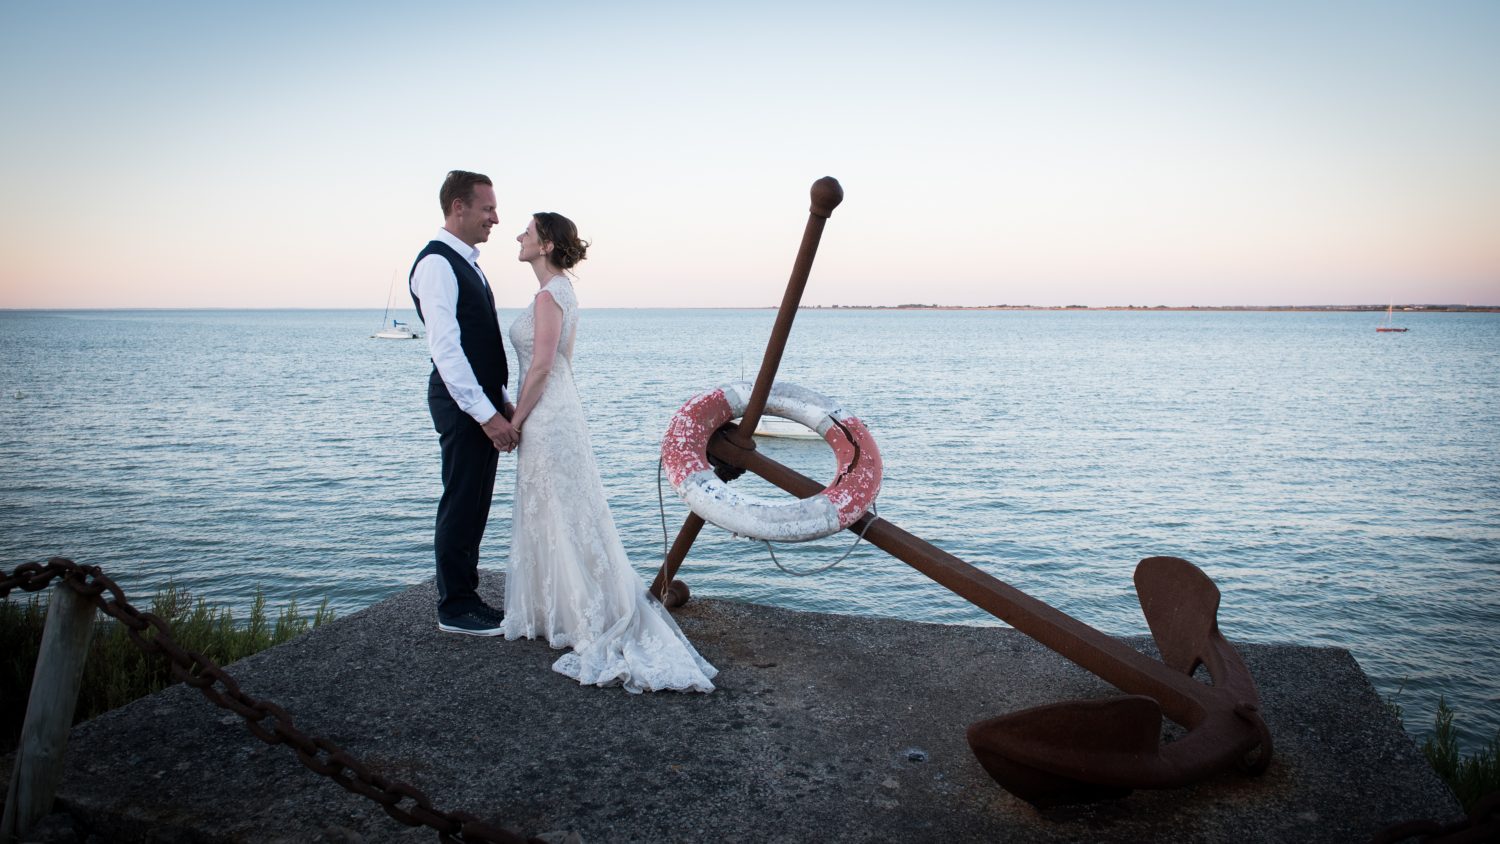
x=1410, y=307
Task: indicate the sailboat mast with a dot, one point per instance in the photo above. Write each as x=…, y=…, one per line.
x=388, y=289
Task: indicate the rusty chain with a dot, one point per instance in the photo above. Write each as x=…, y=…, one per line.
x=1481, y=824
x=264, y=719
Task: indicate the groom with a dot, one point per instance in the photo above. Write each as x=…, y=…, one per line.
x=466, y=394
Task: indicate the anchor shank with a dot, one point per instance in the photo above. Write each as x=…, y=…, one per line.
x=826, y=195
x=1181, y=698
x=680, y=547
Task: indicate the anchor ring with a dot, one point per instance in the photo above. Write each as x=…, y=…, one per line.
x=684, y=452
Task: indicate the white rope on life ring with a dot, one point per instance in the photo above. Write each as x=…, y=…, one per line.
x=684, y=452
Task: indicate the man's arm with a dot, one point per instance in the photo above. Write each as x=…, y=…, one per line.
x=437, y=288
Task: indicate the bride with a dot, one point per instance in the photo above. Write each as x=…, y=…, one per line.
x=568, y=578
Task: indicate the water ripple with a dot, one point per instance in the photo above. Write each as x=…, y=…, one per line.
x=1340, y=486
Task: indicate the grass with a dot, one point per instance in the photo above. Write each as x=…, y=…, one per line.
x=1472, y=776
x=117, y=672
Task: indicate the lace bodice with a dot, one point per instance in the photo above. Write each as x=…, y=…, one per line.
x=523, y=330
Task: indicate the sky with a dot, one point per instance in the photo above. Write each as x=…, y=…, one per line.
x=288, y=155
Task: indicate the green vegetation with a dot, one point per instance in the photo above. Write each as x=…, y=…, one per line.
x=117, y=671
x=1471, y=777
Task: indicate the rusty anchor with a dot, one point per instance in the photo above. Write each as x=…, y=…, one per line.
x=1073, y=751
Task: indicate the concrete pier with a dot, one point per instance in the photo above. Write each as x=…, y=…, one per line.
x=824, y=728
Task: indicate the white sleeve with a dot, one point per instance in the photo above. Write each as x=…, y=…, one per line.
x=436, y=287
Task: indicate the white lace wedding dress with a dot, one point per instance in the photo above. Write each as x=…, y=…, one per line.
x=568, y=578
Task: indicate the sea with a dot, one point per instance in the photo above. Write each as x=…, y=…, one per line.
x=1341, y=486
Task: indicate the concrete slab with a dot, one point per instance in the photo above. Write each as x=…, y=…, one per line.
x=826, y=728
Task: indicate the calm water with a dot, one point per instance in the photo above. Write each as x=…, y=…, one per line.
x=1341, y=486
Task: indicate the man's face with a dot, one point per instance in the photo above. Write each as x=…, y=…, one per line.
x=473, y=219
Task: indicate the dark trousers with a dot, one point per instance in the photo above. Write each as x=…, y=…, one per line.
x=469, y=460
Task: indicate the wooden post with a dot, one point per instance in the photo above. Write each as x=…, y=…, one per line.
x=49, y=712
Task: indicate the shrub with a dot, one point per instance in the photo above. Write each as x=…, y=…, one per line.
x=1471, y=777
x=116, y=671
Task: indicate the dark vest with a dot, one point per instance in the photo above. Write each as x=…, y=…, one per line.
x=478, y=326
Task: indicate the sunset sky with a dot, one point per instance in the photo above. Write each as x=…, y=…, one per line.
x=276, y=154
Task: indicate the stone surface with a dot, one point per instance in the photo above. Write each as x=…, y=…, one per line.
x=827, y=728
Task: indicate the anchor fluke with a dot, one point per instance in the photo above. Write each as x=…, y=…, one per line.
x=1079, y=751
x=1181, y=605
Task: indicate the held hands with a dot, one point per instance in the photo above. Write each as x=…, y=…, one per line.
x=501, y=434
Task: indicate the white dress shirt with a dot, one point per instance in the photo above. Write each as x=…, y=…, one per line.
x=436, y=287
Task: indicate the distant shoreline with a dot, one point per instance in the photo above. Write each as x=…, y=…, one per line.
x=1451, y=309
x=1458, y=309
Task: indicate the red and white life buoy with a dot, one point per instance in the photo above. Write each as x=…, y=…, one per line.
x=684, y=453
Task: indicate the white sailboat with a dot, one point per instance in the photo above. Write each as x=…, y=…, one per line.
x=782, y=429
x=775, y=426
x=397, y=330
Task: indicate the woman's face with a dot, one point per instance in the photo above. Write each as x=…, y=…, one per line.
x=531, y=244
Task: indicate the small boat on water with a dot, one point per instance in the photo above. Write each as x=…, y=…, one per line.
x=774, y=426
x=1387, y=325
x=397, y=330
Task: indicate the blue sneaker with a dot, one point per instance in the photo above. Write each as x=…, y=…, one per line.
x=489, y=613
x=472, y=623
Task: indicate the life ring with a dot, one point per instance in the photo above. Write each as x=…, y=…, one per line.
x=684, y=453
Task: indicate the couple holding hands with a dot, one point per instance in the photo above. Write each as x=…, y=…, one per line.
x=567, y=579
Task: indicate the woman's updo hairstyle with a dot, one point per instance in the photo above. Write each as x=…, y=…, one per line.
x=567, y=249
